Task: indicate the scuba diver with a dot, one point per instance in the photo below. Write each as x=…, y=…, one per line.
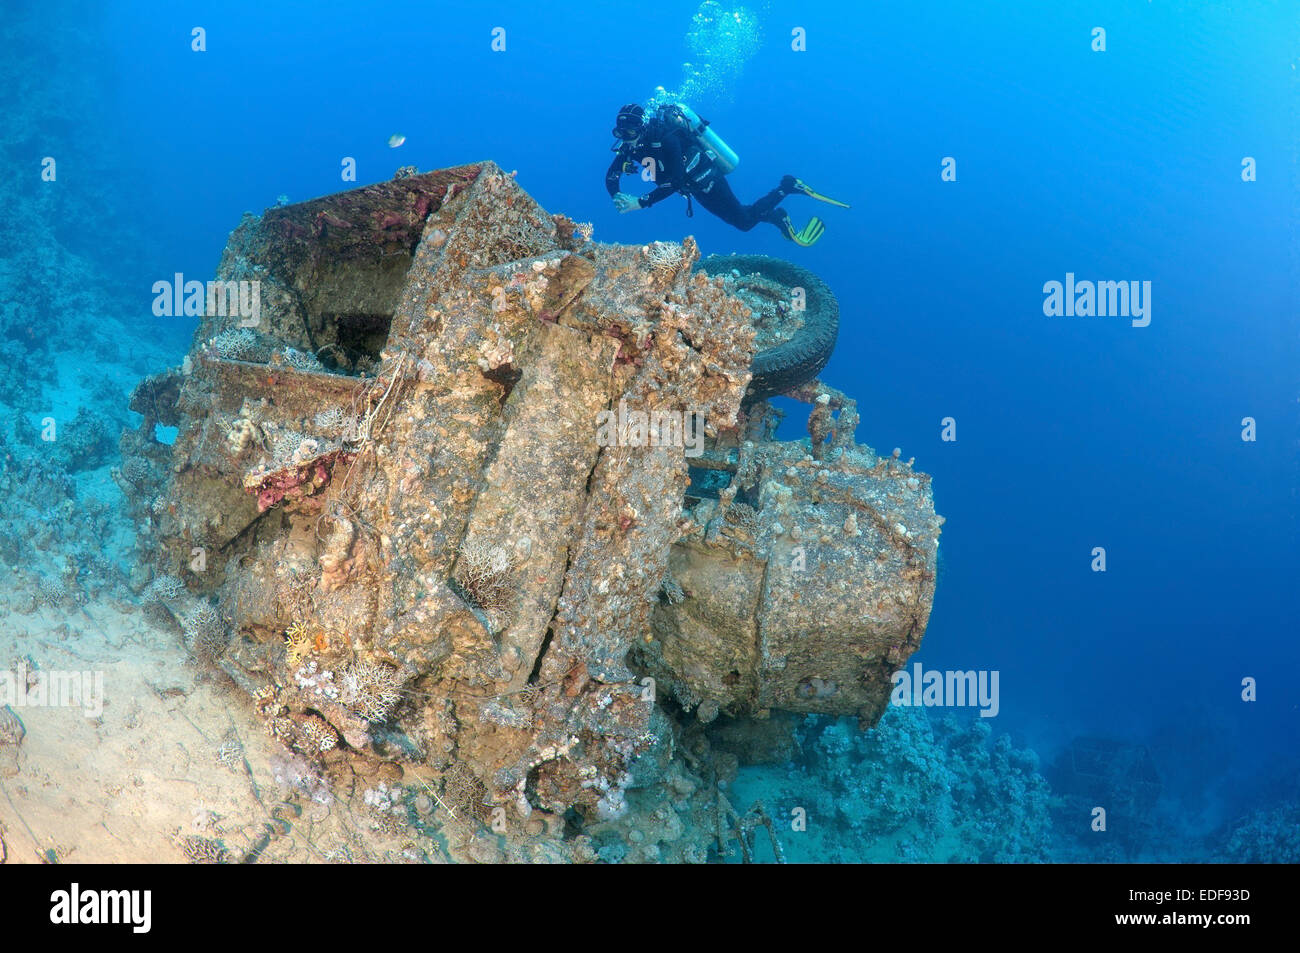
x=682, y=154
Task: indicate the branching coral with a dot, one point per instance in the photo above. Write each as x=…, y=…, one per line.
x=201, y=850
x=297, y=593
x=463, y=792
x=53, y=591
x=235, y=345
x=283, y=443
x=164, y=589
x=289, y=448
x=370, y=690
x=571, y=234
x=483, y=576
x=317, y=736
x=301, y=360
x=330, y=420
x=230, y=753
x=744, y=517
x=508, y=229
x=297, y=643
x=664, y=259
x=206, y=633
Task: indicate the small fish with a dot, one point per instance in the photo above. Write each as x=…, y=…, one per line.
x=395, y=140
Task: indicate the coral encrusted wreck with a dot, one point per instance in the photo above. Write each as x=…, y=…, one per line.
x=541, y=624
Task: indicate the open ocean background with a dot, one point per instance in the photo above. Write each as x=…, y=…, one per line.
x=1072, y=432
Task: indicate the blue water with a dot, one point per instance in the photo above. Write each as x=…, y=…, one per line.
x=1072, y=432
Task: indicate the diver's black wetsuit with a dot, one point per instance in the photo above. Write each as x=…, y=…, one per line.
x=682, y=166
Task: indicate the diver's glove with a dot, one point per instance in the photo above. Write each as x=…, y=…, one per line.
x=627, y=203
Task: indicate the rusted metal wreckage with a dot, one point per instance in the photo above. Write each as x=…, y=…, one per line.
x=393, y=489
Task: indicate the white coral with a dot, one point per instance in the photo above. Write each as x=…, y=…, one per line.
x=483, y=575
x=205, y=631
x=370, y=689
x=235, y=345
x=664, y=259
x=330, y=419
x=164, y=589
x=301, y=360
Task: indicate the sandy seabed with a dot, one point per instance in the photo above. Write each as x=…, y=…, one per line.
x=174, y=768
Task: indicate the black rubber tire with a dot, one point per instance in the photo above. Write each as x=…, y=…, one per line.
x=787, y=366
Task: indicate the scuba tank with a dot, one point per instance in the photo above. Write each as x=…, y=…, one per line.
x=723, y=156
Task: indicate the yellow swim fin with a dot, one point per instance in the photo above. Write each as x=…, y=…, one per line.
x=814, y=230
x=805, y=237
x=801, y=187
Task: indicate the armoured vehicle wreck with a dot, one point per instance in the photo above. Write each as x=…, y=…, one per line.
x=399, y=532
